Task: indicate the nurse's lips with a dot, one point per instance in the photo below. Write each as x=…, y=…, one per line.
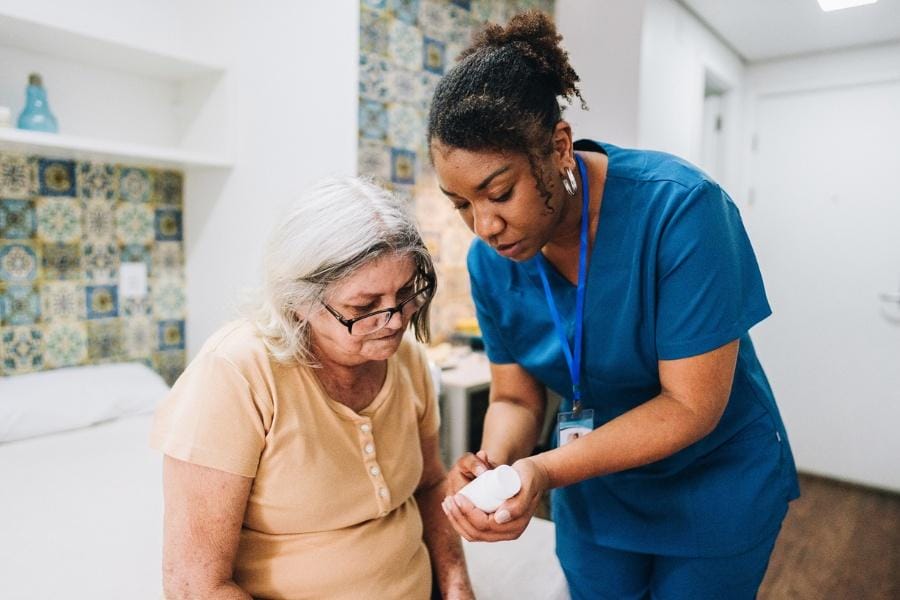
x=508, y=249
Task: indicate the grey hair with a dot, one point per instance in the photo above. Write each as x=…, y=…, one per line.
x=333, y=229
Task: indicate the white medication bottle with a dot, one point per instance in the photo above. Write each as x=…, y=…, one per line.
x=491, y=488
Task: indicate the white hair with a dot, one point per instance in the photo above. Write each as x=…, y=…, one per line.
x=333, y=229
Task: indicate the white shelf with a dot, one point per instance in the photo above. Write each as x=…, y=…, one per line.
x=72, y=147
x=54, y=41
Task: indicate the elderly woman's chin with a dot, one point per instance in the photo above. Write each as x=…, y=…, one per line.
x=382, y=345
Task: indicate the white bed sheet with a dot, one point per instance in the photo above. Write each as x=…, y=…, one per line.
x=82, y=514
x=82, y=518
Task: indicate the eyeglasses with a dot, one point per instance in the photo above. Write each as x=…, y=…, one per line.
x=377, y=320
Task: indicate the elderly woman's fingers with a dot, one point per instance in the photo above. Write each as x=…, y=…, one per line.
x=467, y=467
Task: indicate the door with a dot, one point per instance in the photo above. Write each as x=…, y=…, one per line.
x=825, y=222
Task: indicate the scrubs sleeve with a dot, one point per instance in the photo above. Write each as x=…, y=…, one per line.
x=709, y=288
x=484, y=311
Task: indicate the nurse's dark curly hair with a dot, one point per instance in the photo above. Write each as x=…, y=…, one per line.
x=504, y=93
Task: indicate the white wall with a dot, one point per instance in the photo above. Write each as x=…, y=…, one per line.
x=295, y=82
x=603, y=38
x=676, y=52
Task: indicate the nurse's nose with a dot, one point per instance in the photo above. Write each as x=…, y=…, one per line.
x=487, y=223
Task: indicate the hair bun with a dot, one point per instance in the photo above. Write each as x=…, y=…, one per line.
x=533, y=35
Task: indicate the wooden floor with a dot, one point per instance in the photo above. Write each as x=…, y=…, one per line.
x=838, y=541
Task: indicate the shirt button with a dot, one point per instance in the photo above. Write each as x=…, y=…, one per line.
x=374, y=471
x=365, y=428
x=382, y=492
x=369, y=448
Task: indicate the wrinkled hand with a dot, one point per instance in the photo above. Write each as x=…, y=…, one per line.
x=468, y=467
x=511, y=518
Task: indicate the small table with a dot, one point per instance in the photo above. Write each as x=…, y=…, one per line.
x=471, y=375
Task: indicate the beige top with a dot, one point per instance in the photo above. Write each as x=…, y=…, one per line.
x=331, y=512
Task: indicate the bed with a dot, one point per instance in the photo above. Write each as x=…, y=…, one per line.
x=82, y=500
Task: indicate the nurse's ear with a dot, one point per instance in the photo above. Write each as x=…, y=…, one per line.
x=563, y=151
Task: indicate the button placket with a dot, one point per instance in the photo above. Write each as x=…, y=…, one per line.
x=379, y=485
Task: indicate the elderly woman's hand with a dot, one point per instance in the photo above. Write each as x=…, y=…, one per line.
x=468, y=467
x=512, y=516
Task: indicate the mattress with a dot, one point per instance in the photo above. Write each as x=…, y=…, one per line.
x=82, y=518
x=82, y=514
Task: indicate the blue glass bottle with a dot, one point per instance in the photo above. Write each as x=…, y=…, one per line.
x=36, y=115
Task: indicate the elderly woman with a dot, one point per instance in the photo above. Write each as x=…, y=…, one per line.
x=301, y=444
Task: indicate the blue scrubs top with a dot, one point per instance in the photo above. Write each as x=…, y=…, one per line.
x=671, y=275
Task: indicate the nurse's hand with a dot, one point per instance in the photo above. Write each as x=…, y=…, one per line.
x=468, y=467
x=511, y=518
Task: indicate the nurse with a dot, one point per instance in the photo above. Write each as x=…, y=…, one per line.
x=624, y=280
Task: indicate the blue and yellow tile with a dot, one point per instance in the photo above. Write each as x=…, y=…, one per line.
x=134, y=223
x=140, y=337
x=98, y=221
x=373, y=120
x=62, y=301
x=169, y=364
x=167, y=224
x=167, y=187
x=18, y=262
x=97, y=181
x=100, y=263
x=403, y=166
x=405, y=10
x=17, y=176
x=56, y=177
x=433, y=56
x=21, y=349
x=65, y=344
x=135, y=185
x=59, y=220
x=101, y=301
x=61, y=261
x=105, y=342
x=373, y=32
x=171, y=335
x=21, y=305
x=17, y=219
x=168, y=297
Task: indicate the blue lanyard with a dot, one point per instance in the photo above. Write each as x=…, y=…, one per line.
x=574, y=362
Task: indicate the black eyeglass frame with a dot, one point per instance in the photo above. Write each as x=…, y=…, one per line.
x=348, y=323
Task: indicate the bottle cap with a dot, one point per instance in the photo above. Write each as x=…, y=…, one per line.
x=35, y=79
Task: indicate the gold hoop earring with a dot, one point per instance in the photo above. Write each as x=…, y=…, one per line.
x=569, y=183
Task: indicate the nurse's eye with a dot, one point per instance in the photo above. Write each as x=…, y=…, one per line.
x=460, y=205
x=503, y=197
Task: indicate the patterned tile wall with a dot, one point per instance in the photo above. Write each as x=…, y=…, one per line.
x=405, y=48
x=66, y=228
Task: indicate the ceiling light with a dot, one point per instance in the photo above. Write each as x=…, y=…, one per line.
x=830, y=5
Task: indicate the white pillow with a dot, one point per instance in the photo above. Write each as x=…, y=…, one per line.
x=41, y=403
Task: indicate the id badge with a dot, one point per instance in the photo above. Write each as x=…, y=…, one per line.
x=572, y=425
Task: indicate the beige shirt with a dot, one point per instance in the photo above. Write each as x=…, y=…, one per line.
x=331, y=512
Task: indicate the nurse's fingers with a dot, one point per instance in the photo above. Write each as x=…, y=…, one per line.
x=459, y=521
x=475, y=525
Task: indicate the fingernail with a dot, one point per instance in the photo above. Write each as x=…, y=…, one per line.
x=501, y=516
x=444, y=507
x=479, y=470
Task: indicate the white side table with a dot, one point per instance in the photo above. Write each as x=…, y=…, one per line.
x=471, y=375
